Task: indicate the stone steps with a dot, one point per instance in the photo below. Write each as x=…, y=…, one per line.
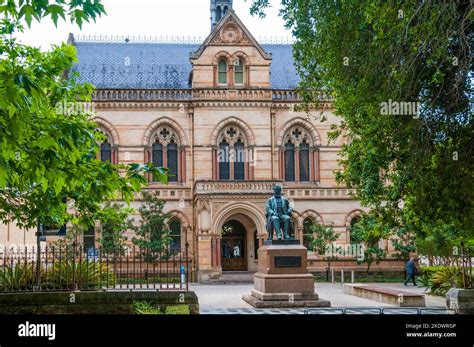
x=234, y=277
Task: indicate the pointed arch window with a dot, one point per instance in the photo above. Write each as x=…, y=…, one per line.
x=222, y=71
x=239, y=162
x=290, y=162
x=304, y=161
x=172, y=156
x=356, y=219
x=106, y=151
x=165, y=152
x=307, y=232
x=224, y=160
x=231, y=154
x=298, y=157
x=175, y=235
x=239, y=71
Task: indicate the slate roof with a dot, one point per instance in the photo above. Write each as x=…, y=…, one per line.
x=161, y=65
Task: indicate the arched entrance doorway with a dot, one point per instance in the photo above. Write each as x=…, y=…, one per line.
x=233, y=246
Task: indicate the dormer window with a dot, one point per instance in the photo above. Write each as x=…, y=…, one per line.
x=239, y=71
x=222, y=71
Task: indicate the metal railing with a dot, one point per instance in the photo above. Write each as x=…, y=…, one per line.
x=59, y=268
x=379, y=311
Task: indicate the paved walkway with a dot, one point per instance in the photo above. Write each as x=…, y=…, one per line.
x=227, y=299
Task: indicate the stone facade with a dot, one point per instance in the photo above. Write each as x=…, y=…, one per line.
x=235, y=104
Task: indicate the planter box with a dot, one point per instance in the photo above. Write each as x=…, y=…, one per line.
x=460, y=300
x=112, y=302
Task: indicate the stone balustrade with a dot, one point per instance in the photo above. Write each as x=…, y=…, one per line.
x=266, y=187
x=236, y=187
x=198, y=95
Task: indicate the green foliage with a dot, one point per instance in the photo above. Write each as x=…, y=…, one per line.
x=144, y=307
x=368, y=231
x=415, y=170
x=178, y=309
x=153, y=232
x=439, y=279
x=21, y=276
x=49, y=173
x=88, y=275
x=322, y=236
x=114, y=221
x=404, y=243
x=77, y=11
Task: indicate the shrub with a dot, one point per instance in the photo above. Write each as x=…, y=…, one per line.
x=179, y=309
x=439, y=279
x=143, y=307
x=88, y=275
x=17, y=277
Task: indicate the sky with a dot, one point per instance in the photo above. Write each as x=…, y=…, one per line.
x=156, y=18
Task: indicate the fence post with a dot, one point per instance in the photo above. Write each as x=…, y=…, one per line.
x=352, y=276
x=187, y=262
x=342, y=276
x=332, y=276
x=38, y=256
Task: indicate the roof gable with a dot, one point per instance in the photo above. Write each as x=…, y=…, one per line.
x=230, y=31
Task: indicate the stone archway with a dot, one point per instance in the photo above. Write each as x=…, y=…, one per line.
x=251, y=223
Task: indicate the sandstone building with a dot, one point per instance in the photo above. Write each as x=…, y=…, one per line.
x=221, y=116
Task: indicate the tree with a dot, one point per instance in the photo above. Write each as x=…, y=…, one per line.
x=114, y=222
x=322, y=237
x=49, y=173
x=400, y=76
x=368, y=231
x=153, y=232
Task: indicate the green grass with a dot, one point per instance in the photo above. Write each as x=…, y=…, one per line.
x=144, y=307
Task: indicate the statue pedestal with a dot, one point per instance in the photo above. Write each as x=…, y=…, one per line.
x=283, y=279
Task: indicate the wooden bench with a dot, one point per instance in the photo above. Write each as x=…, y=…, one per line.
x=395, y=297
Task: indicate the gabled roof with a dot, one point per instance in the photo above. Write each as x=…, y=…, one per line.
x=161, y=65
x=230, y=16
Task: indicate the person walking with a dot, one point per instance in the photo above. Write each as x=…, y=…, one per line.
x=411, y=272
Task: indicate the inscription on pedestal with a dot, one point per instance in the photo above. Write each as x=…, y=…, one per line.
x=287, y=261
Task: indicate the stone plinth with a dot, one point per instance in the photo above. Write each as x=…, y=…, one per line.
x=283, y=279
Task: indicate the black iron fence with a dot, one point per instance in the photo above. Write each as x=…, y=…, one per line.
x=73, y=268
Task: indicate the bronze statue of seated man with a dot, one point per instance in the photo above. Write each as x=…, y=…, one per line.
x=278, y=213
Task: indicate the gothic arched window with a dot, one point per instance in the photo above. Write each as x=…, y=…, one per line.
x=224, y=161
x=175, y=235
x=238, y=71
x=307, y=232
x=231, y=154
x=297, y=156
x=239, y=162
x=304, y=161
x=289, y=162
x=222, y=71
x=165, y=151
x=106, y=152
x=356, y=219
x=106, y=149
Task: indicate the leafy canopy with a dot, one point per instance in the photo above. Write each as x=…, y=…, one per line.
x=414, y=170
x=49, y=171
